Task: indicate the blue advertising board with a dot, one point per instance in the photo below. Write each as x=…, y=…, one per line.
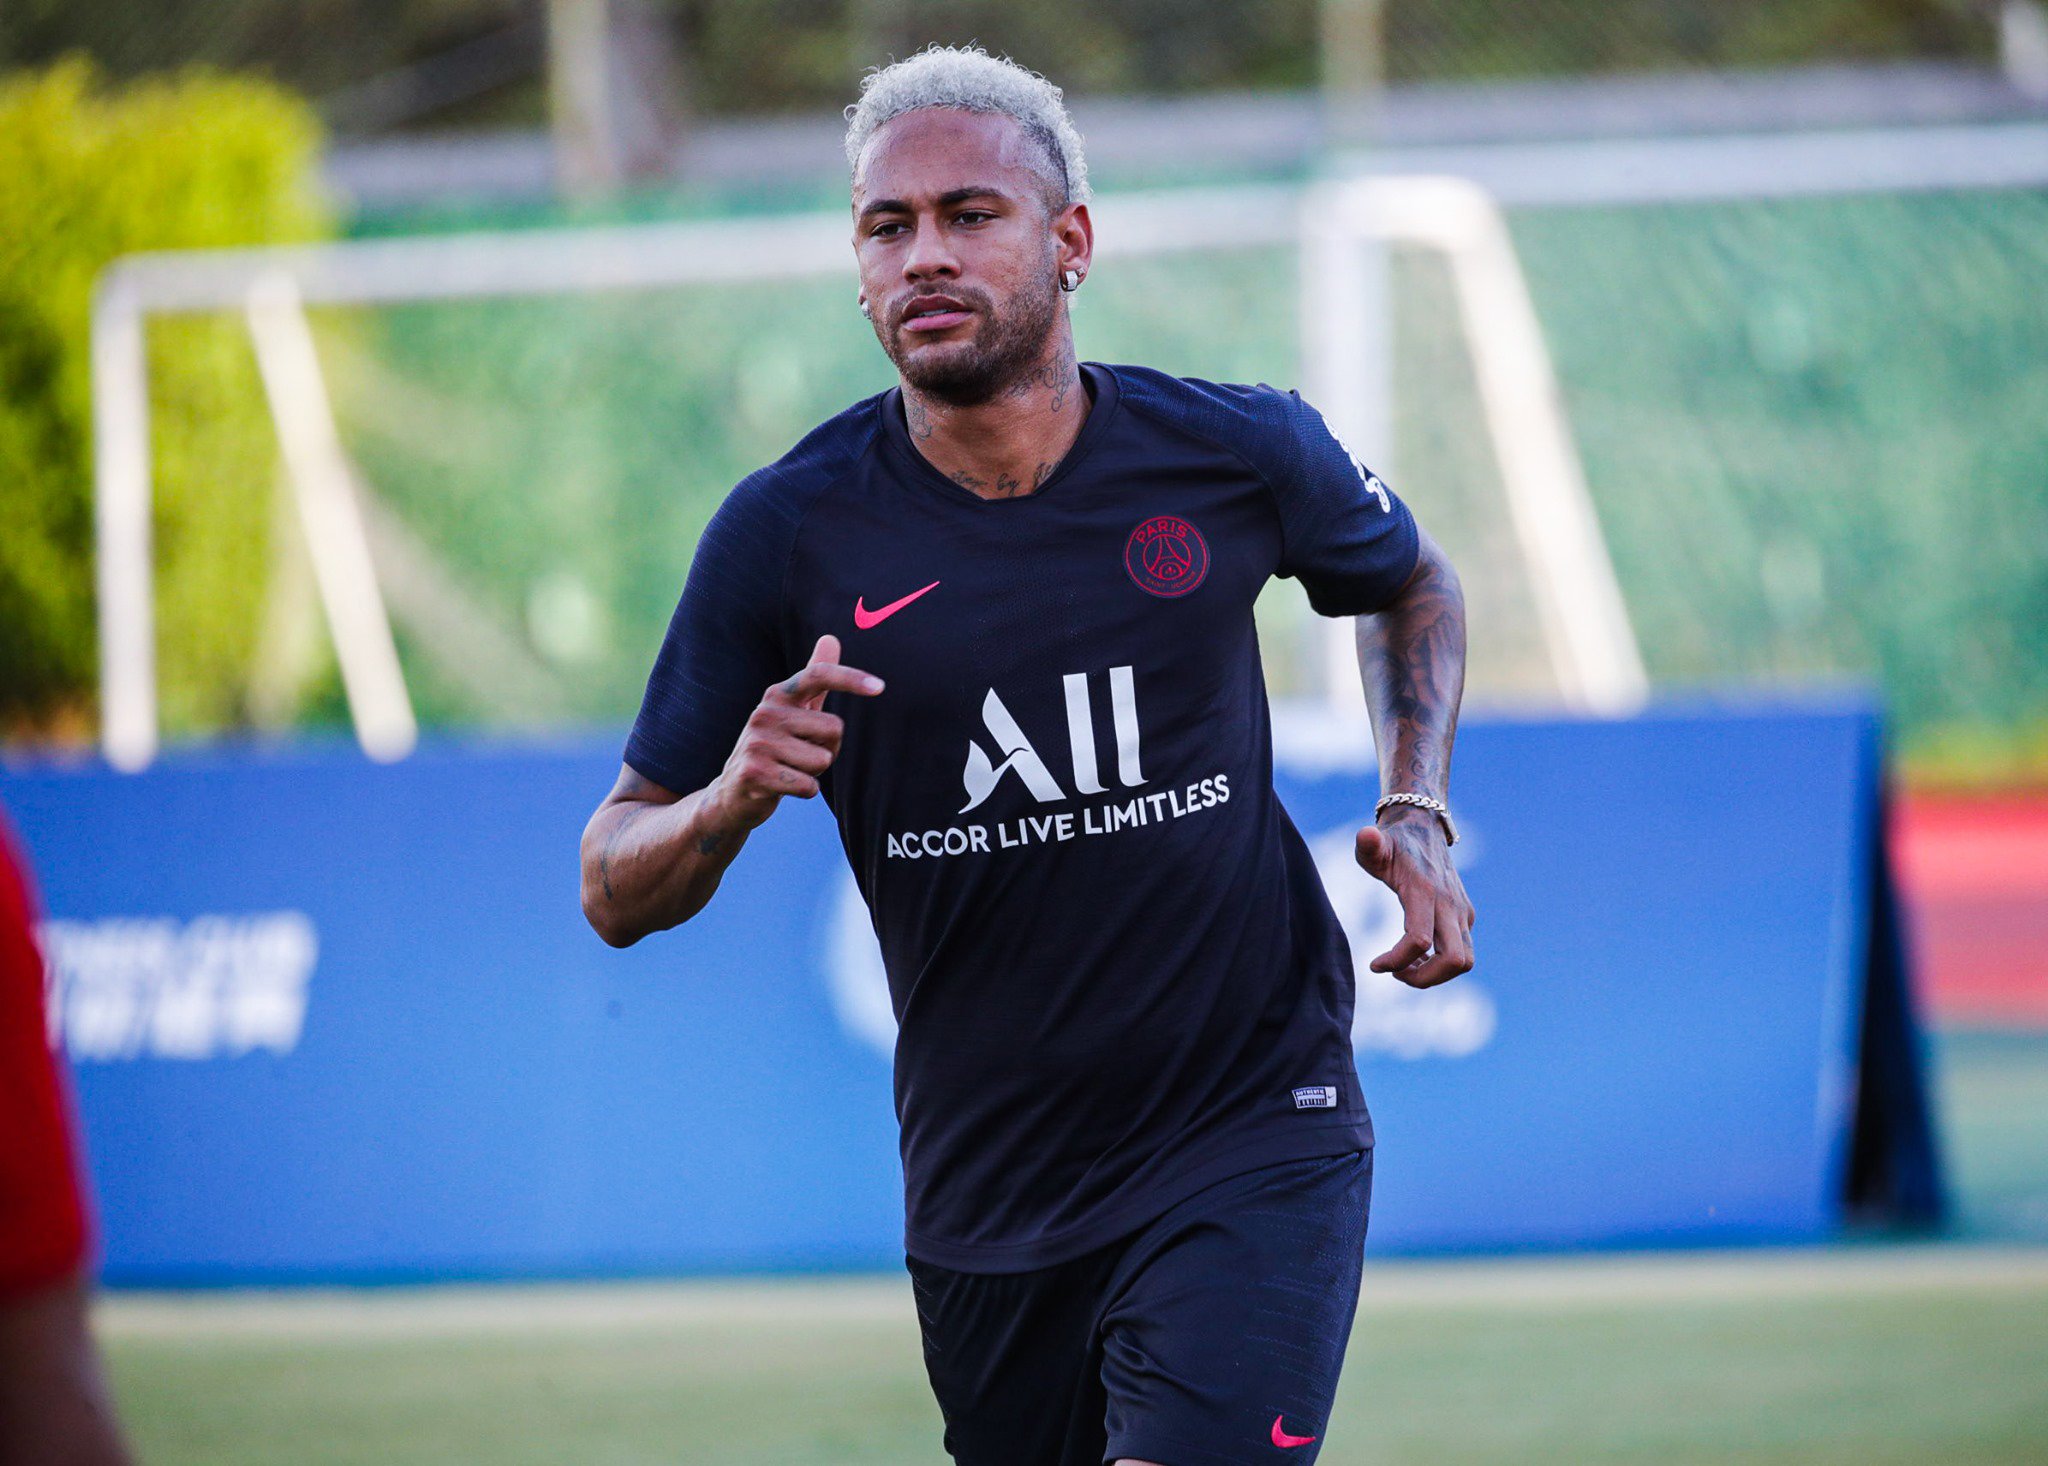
x=332, y=1020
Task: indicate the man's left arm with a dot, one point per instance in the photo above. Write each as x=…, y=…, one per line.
x=1411, y=656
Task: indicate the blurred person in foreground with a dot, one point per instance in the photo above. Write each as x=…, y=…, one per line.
x=54, y=1409
x=1137, y=1161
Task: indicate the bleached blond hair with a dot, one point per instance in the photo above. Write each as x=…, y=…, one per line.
x=968, y=78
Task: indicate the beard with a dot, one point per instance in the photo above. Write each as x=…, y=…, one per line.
x=1005, y=346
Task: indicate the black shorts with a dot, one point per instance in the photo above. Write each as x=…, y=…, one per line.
x=1213, y=1337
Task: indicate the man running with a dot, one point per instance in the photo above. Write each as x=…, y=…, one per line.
x=1002, y=614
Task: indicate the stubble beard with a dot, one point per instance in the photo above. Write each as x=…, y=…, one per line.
x=1006, y=346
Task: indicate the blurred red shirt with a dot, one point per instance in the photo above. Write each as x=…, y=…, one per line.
x=42, y=1211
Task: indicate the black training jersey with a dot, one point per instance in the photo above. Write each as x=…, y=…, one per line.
x=1116, y=974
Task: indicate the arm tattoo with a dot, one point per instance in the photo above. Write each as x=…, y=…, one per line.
x=1412, y=657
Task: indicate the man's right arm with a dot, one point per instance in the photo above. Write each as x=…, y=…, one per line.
x=652, y=857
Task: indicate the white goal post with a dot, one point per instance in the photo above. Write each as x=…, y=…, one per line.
x=1583, y=619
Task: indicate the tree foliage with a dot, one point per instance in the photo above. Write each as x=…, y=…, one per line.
x=89, y=173
x=752, y=56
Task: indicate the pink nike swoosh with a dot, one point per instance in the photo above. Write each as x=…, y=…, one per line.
x=1288, y=1442
x=864, y=618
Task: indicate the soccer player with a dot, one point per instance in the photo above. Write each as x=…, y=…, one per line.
x=1000, y=616
x=53, y=1403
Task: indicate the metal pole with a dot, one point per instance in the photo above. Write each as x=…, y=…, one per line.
x=324, y=490
x=1352, y=51
x=1347, y=306
x=579, y=96
x=1578, y=599
x=122, y=575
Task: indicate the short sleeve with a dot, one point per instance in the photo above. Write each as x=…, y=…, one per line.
x=724, y=643
x=1344, y=535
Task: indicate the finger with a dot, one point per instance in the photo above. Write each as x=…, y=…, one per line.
x=1453, y=955
x=798, y=784
x=826, y=730
x=1418, y=915
x=824, y=654
x=1454, y=933
x=797, y=754
x=1440, y=968
x=808, y=687
x=1375, y=851
x=774, y=779
x=770, y=766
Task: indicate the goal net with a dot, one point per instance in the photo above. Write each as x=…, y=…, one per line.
x=498, y=450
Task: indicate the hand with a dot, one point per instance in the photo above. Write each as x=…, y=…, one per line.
x=1408, y=854
x=789, y=741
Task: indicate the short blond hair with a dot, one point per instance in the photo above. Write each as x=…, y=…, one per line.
x=968, y=78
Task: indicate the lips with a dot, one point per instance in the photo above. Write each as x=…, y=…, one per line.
x=929, y=313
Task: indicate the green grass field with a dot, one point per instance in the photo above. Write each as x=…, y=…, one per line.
x=1905, y=1355
x=1866, y=1353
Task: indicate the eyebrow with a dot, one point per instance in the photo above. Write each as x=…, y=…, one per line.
x=946, y=200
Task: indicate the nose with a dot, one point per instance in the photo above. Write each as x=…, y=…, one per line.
x=930, y=256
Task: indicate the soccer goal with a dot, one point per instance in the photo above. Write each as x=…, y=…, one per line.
x=499, y=446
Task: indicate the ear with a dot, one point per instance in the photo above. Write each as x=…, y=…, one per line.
x=1074, y=233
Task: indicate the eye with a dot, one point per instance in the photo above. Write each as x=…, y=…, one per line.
x=973, y=216
x=887, y=229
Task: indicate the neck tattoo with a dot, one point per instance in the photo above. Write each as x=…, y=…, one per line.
x=1012, y=451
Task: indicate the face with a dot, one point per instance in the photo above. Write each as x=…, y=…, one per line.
x=960, y=251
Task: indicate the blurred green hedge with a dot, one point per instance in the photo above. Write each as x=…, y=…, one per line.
x=89, y=172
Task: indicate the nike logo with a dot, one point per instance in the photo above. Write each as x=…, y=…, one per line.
x=1288, y=1442
x=865, y=619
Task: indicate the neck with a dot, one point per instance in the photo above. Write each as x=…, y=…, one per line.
x=1009, y=445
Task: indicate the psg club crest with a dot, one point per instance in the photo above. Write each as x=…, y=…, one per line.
x=1166, y=556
